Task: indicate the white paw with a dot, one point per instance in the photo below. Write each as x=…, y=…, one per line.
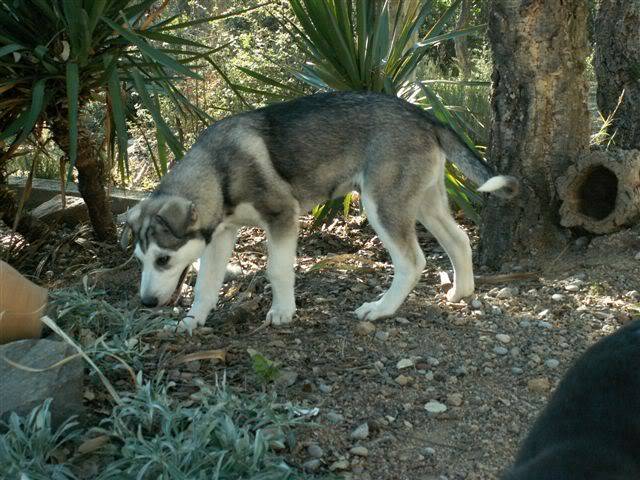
x=374, y=310
x=455, y=294
x=190, y=323
x=280, y=316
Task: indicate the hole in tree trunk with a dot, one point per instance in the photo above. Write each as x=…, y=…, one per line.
x=598, y=193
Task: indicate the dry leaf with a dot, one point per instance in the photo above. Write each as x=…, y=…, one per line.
x=216, y=355
x=93, y=444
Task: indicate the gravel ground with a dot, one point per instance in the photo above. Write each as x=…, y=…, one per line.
x=440, y=391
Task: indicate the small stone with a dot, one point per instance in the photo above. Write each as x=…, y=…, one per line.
x=516, y=370
x=315, y=451
x=402, y=320
x=557, y=297
x=515, y=352
x=339, y=465
x=476, y=304
x=405, y=363
x=403, y=380
x=455, y=399
x=359, y=451
x=361, y=432
x=503, y=338
x=286, y=378
x=435, y=407
x=311, y=465
x=525, y=323
x=505, y=292
x=334, y=417
x=365, y=328
x=501, y=350
x=582, y=242
x=378, y=364
x=324, y=388
x=539, y=385
x=434, y=362
x=552, y=363
x=381, y=336
x=429, y=451
x=572, y=287
x=544, y=313
x=637, y=257
x=544, y=324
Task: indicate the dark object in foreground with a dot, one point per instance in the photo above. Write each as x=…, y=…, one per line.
x=590, y=430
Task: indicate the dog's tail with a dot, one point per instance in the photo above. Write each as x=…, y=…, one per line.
x=474, y=167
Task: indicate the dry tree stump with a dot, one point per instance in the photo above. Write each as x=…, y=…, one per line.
x=601, y=191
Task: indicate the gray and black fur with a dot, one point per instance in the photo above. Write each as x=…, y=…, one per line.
x=267, y=166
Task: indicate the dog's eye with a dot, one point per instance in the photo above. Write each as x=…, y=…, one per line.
x=162, y=261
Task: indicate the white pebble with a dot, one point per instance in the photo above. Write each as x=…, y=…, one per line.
x=501, y=350
x=435, y=407
x=552, y=363
x=557, y=297
x=572, y=287
x=476, y=304
x=405, y=363
x=503, y=338
x=361, y=432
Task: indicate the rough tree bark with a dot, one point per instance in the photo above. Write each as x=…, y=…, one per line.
x=540, y=119
x=91, y=179
x=617, y=66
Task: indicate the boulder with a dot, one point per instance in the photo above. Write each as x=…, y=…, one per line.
x=53, y=211
x=23, y=389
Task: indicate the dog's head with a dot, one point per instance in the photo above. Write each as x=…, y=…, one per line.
x=167, y=239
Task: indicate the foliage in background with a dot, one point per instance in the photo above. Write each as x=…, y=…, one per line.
x=364, y=45
x=57, y=56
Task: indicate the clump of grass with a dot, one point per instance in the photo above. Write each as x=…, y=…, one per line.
x=29, y=445
x=220, y=436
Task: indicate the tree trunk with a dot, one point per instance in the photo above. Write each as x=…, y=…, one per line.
x=540, y=119
x=91, y=179
x=617, y=66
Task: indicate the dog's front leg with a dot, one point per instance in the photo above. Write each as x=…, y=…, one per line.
x=213, y=265
x=281, y=258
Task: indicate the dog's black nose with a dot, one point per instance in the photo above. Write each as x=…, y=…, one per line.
x=150, y=301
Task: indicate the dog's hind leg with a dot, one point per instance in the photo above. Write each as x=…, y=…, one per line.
x=282, y=239
x=395, y=226
x=213, y=266
x=434, y=214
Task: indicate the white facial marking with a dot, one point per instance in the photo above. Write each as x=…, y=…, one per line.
x=161, y=281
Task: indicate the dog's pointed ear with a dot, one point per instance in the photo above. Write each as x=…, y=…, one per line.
x=132, y=223
x=179, y=216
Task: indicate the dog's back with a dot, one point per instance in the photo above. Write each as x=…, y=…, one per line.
x=591, y=427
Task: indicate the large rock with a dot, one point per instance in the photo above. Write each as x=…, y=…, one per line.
x=21, y=390
x=52, y=211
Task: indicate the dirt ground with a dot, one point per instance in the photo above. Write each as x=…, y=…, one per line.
x=491, y=361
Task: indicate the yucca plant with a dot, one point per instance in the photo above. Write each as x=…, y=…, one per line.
x=367, y=45
x=56, y=56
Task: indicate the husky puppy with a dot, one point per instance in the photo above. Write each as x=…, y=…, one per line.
x=590, y=430
x=265, y=167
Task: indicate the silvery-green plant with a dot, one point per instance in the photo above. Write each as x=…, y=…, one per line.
x=28, y=445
